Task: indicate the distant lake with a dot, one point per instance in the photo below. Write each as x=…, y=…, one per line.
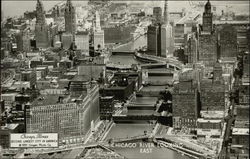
x=18, y=7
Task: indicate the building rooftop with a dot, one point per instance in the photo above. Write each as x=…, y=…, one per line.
x=47, y=99
x=240, y=131
x=239, y=123
x=107, y=97
x=8, y=94
x=213, y=114
x=82, y=78
x=9, y=127
x=202, y=120
x=26, y=72
x=82, y=33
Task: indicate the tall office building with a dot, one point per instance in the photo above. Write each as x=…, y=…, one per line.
x=207, y=21
x=208, y=39
x=82, y=41
x=154, y=40
x=67, y=40
x=157, y=14
x=186, y=108
x=98, y=33
x=228, y=42
x=70, y=18
x=167, y=42
x=192, y=52
x=213, y=91
x=41, y=28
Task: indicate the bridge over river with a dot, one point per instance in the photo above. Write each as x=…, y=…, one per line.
x=149, y=61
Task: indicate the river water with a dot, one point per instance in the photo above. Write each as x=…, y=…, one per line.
x=128, y=59
x=131, y=46
x=123, y=59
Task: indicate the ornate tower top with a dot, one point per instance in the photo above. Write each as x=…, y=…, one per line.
x=166, y=17
x=97, y=23
x=208, y=7
x=68, y=6
x=40, y=13
x=70, y=19
x=207, y=23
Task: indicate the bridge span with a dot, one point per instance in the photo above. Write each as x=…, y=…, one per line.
x=150, y=60
x=169, y=62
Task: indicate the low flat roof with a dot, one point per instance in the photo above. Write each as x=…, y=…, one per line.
x=240, y=131
x=9, y=126
x=46, y=100
x=212, y=114
x=202, y=120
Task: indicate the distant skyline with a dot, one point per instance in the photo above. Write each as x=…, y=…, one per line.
x=18, y=7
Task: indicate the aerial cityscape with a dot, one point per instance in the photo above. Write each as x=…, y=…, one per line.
x=110, y=79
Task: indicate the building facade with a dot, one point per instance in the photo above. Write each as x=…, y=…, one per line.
x=71, y=120
x=228, y=42
x=67, y=40
x=207, y=20
x=207, y=49
x=82, y=41
x=98, y=33
x=106, y=107
x=213, y=91
x=185, y=102
x=154, y=40
x=192, y=52
x=29, y=76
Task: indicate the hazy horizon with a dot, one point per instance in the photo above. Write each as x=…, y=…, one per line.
x=18, y=7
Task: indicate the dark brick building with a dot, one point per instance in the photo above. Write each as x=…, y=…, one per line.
x=154, y=40
x=208, y=42
x=70, y=18
x=208, y=49
x=185, y=102
x=228, y=41
x=213, y=91
x=106, y=107
x=41, y=28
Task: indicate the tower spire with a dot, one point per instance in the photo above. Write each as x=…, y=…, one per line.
x=97, y=21
x=41, y=30
x=166, y=18
x=40, y=14
x=70, y=19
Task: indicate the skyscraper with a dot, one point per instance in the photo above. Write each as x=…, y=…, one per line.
x=154, y=40
x=98, y=33
x=208, y=41
x=166, y=15
x=186, y=108
x=228, y=41
x=207, y=22
x=157, y=14
x=70, y=18
x=41, y=28
x=166, y=33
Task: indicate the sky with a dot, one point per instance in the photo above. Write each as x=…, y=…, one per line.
x=18, y=7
